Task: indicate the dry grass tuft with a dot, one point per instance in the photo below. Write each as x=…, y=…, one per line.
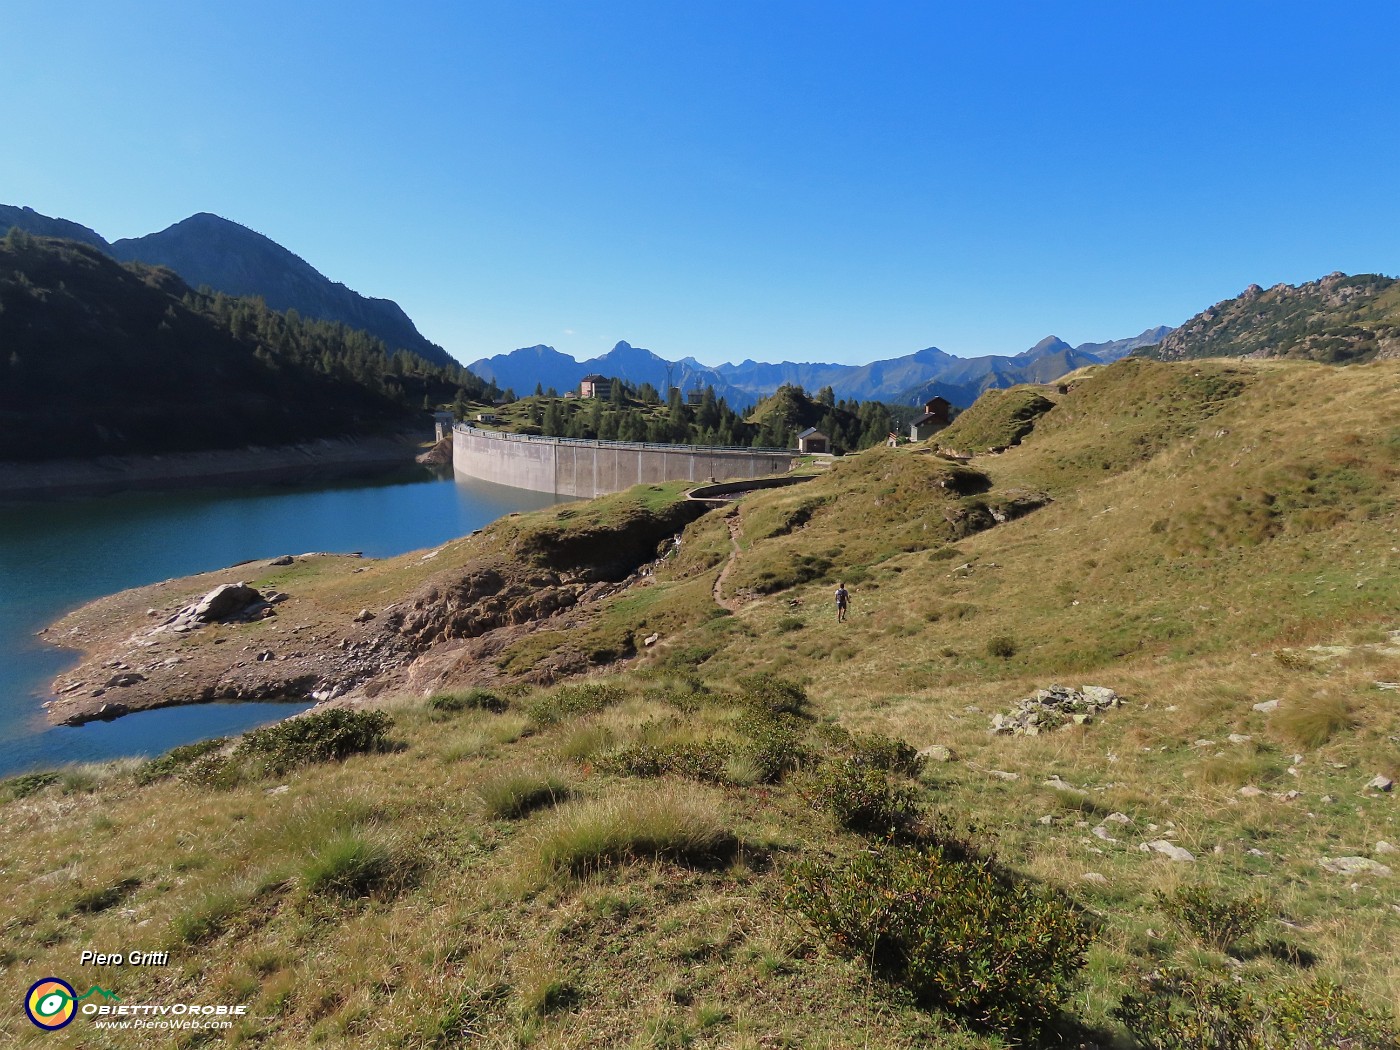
x=1314, y=722
x=671, y=822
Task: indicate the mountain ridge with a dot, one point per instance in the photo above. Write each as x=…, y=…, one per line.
x=207, y=249
x=1337, y=319
x=910, y=379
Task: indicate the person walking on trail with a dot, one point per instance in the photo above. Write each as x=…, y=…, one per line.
x=843, y=598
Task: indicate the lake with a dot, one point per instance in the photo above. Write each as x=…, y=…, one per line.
x=56, y=556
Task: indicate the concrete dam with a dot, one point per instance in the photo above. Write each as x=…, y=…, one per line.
x=569, y=467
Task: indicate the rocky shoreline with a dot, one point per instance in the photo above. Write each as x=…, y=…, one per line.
x=234, y=642
x=324, y=459
x=333, y=629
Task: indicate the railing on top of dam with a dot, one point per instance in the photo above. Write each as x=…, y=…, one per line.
x=600, y=443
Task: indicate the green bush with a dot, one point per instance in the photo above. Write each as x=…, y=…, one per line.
x=29, y=784
x=1216, y=920
x=873, y=749
x=570, y=701
x=770, y=695
x=1324, y=1015
x=471, y=700
x=213, y=770
x=695, y=761
x=1001, y=646
x=1176, y=1009
x=864, y=798
x=327, y=736
x=175, y=761
x=956, y=934
x=772, y=744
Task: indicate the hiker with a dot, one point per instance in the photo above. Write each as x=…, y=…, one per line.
x=842, y=600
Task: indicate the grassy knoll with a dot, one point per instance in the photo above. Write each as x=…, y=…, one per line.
x=730, y=841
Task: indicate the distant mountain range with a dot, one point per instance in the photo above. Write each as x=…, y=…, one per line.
x=902, y=380
x=208, y=250
x=1337, y=319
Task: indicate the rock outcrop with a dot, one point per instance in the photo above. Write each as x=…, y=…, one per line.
x=1055, y=708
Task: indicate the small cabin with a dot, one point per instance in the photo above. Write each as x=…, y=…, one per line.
x=595, y=386
x=486, y=417
x=938, y=413
x=813, y=440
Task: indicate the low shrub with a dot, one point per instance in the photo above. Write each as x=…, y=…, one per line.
x=864, y=798
x=873, y=749
x=470, y=700
x=1213, y=918
x=671, y=822
x=1178, y=1009
x=772, y=744
x=956, y=934
x=1325, y=1015
x=177, y=759
x=787, y=624
x=695, y=761
x=520, y=792
x=1001, y=646
x=570, y=701
x=327, y=736
x=28, y=784
x=771, y=695
x=213, y=770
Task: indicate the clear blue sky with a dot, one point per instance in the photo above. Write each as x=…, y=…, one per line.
x=812, y=181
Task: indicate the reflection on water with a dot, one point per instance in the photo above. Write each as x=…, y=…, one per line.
x=55, y=556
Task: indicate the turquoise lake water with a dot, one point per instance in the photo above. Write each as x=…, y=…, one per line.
x=56, y=556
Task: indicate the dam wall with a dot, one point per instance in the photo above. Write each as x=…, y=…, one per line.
x=568, y=467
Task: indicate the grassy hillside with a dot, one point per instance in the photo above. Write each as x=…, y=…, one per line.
x=730, y=839
x=102, y=359
x=1338, y=319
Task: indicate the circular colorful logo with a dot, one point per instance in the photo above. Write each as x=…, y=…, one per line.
x=51, y=1003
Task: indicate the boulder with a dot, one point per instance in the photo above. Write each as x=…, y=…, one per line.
x=1055, y=707
x=224, y=602
x=936, y=753
x=1380, y=783
x=1167, y=849
x=1353, y=866
x=1267, y=706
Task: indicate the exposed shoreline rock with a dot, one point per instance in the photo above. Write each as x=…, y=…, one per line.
x=208, y=638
